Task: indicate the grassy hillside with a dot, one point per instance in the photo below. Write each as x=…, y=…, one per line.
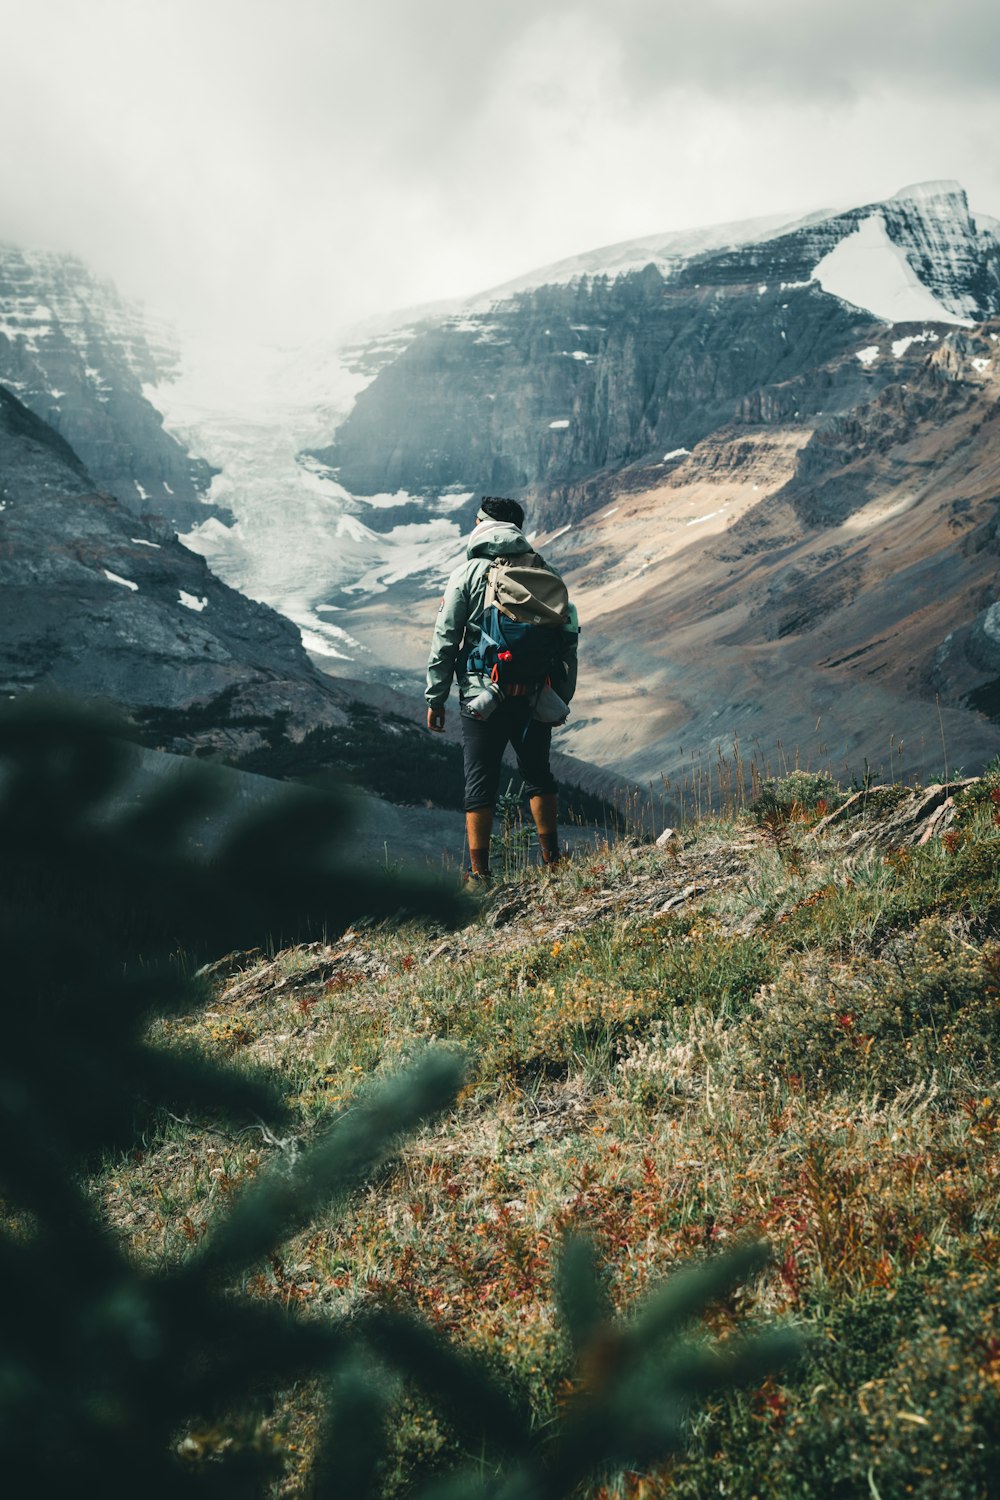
x=786, y=1024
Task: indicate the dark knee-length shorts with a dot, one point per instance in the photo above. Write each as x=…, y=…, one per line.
x=484, y=742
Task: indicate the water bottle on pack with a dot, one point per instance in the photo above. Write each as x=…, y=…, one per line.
x=482, y=705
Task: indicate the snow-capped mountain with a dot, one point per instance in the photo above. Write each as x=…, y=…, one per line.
x=78, y=355
x=920, y=256
x=633, y=350
x=667, y=252
x=560, y=381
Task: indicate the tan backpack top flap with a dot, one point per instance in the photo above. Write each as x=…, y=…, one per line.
x=525, y=588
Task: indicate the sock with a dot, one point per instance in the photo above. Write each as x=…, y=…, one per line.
x=549, y=845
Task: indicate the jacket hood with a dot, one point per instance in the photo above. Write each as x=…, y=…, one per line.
x=497, y=539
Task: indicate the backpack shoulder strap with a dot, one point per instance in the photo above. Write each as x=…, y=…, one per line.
x=494, y=585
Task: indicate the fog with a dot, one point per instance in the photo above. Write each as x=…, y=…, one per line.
x=288, y=168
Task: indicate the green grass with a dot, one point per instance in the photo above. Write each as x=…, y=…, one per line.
x=808, y=1049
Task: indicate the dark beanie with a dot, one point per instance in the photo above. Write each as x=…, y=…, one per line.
x=499, y=509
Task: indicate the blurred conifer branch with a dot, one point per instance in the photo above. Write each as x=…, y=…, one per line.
x=108, y=906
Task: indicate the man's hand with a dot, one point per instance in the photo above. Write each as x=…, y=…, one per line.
x=435, y=720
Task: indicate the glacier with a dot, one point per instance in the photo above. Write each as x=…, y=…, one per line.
x=299, y=537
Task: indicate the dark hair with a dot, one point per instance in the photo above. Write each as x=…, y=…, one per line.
x=500, y=509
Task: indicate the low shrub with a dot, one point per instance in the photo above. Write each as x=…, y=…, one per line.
x=900, y=1397
x=927, y=1007
x=799, y=794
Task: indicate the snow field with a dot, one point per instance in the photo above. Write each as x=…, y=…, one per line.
x=869, y=271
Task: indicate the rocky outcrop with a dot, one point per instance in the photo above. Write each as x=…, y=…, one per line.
x=954, y=258
x=839, y=470
x=895, y=816
x=79, y=357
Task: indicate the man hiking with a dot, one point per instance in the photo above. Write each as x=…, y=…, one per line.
x=507, y=632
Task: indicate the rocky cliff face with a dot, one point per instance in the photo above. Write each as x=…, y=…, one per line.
x=563, y=382
x=79, y=356
x=101, y=603
x=560, y=383
x=949, y=254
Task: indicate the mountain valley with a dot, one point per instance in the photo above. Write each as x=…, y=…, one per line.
x=764, y=455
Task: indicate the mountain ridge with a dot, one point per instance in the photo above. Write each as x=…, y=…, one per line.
x=664, y=249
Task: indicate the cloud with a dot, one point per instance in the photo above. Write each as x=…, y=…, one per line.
x=782, y=49
x=301, y=163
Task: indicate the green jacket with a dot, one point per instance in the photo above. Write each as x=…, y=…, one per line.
x=457, y=629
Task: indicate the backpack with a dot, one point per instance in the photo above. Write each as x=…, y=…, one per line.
x=526, y=609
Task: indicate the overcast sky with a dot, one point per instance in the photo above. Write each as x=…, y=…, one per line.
x=297, y=164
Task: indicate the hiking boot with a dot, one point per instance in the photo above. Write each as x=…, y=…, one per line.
x=475, y=883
